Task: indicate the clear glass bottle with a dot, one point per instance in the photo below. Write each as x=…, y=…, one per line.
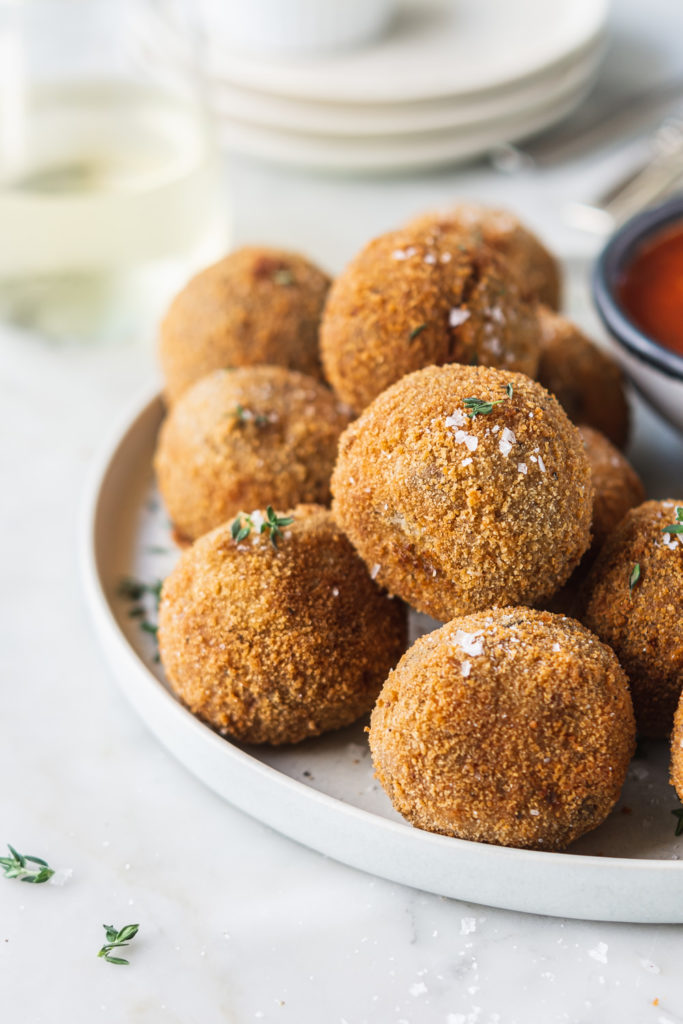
x=110, y=185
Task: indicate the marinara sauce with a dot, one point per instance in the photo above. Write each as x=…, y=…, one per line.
x=651, y=288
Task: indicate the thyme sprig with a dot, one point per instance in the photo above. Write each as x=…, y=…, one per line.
x=272, y=524
x=18, y=865
x=244, y=416
x=635, y=576
x=483, y=406
x=135, y=590
x=676, y=527
x=117, y=939
x=416, y=331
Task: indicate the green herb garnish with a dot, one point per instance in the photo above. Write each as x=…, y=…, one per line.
x=18, y=866
x=117, y=939
x=134, y=589
x=679, y=824
x=274, y=524
x=244, y=416
x=416, y=331
x=482, y=406
x=635, y=576
x=677, y=527
x=241, y=527
x=283, y=276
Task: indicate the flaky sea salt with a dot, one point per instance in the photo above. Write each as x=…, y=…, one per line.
x=457, y=317
x=470, y=440
x=466, y=668
x=599, y=953
x=457, y=419
x=468, y=642
x=521, y=467
x=541, y=464
x=507, y=439
x=403, y=254
x=375, y=569
x=466, y=462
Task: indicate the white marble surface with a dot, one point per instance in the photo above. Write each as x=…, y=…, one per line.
x=237, y=923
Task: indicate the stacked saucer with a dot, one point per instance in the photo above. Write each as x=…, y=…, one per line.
x=450, y=80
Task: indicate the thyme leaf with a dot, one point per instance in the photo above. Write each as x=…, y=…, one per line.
x=117, y=939
x=18, y=866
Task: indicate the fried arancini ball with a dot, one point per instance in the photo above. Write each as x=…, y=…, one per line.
x=255, y=306
x=616, y=485
x=677, y=751
x=632, y=599
x=245, y=438
x=616, y=488
x=415, y=298
x=273, y=644
x=585, y=380
x=511, y=726
x=454, y=513
x=537, y=270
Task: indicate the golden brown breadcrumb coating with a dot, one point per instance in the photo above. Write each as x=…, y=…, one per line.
x=585, y=380
x=616, y=488
x=273, y=645
x=677, y=751
x=256, y=305
x=616, y=485
x=420, y=297
x=640, y=618
x=537, y=270
x=243, y=439
x=455, y=514
x=511, y=726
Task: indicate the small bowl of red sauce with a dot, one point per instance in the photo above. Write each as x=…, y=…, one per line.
x=638, y=291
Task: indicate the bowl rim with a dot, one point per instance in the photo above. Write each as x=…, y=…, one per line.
x=614, y=256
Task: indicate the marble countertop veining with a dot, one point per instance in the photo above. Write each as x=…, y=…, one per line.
x=237, y=923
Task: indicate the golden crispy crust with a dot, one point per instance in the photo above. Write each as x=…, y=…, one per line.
x=642, y=623
x=458, y=514
x=616, y=489
x=537, y=270
x=616, y=485
x=255, y=306
x=245, y=438
x=511, y=726
x=274, y=646
x=420, y=297
x=586, y=382
x=677, y=751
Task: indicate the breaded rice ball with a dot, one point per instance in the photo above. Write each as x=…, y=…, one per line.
x=275, y=636
x=511, y=726
x=415, y=298
x=454, y=513
x=616, y=485
x=255, y=306
x=537, y=270
x=586, y=382
x=616, y=488
x=632, y=599
x=245, y=438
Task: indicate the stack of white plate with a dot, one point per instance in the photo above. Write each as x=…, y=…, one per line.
x=451, y=80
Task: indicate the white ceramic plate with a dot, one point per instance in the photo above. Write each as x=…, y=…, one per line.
x=322, y=792
x=397, y=153
x=437, y=48
x=283, y=113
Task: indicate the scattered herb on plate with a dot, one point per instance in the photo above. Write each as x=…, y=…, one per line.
x=19, y=866
x=417, y=331
x=117, y=939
